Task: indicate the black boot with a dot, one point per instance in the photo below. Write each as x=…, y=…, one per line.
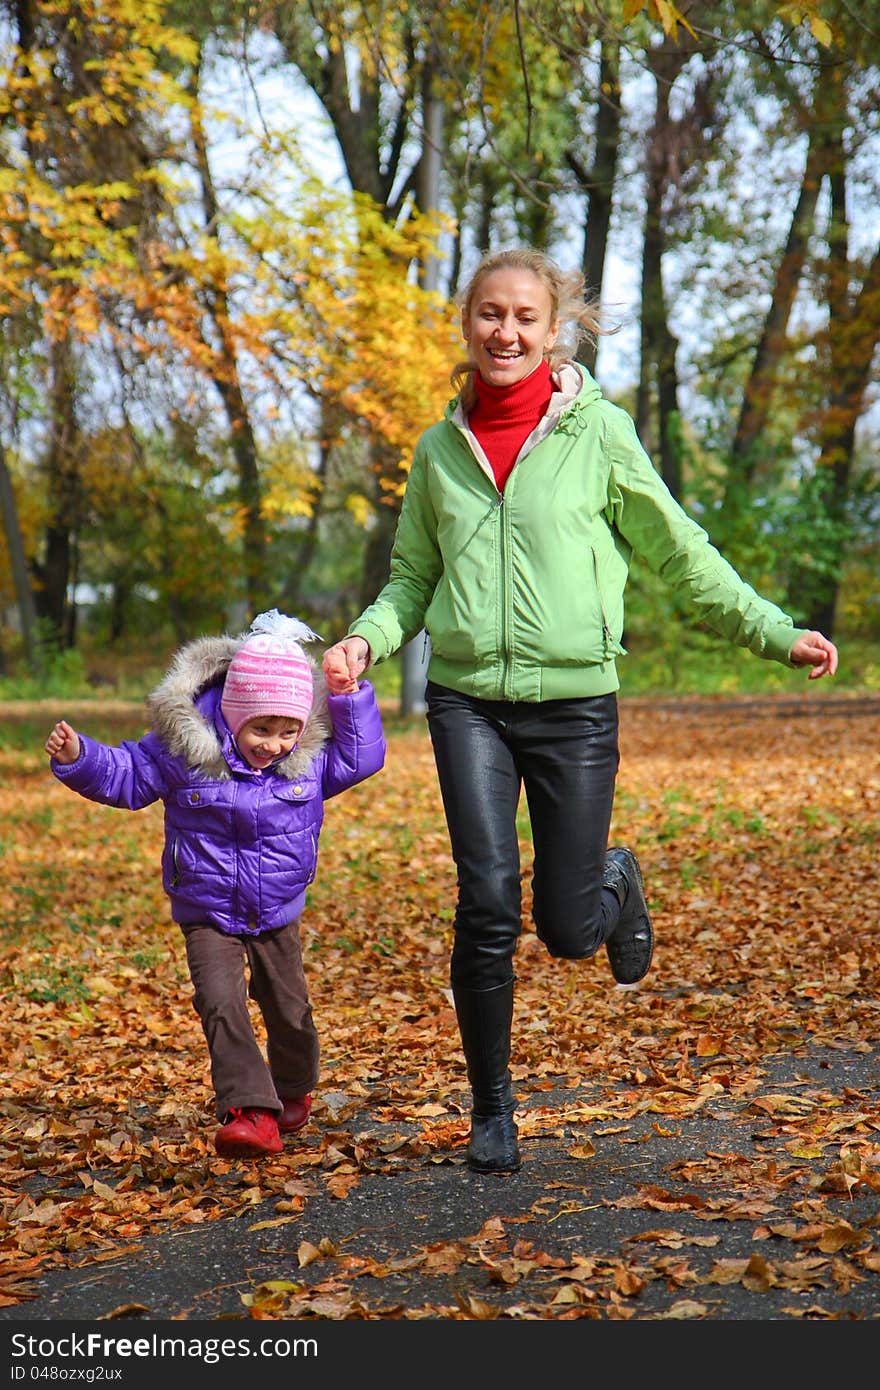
x=630, y=946
x=484, y=1019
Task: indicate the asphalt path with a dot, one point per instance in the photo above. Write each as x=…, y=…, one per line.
x=573, y=1209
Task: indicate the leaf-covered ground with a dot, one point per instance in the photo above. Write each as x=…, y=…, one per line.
x=757, y=828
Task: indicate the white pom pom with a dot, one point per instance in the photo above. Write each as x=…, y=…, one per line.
x=275, y=624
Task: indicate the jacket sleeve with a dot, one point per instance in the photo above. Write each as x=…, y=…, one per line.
x=127, y=776
x=678, y=550
x=398, y=613
x=357, y=747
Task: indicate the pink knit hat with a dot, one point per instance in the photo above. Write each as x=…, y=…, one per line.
x=270, y=673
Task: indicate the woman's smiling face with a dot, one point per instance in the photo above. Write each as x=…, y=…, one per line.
x=509, y=325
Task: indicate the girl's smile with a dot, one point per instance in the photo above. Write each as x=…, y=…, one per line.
x=266, y=738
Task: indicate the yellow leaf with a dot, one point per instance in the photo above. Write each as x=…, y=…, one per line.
x=686, y=1308
x=273, y=1286
x=585, y=1150
x=306, y=1253
x=837, y=1237
x=569, y=1294
x=477, y=1308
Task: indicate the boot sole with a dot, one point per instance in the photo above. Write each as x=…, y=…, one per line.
x=242, y=1151
x=245, y=1151
x=493, y=1168
x=636, y=978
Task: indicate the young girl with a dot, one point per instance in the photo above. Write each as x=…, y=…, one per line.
x=245, y=747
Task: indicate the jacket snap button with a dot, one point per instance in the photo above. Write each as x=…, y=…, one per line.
x=194, y=797
x=298, y=789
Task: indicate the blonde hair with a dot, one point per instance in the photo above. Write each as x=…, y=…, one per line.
x=576, y=313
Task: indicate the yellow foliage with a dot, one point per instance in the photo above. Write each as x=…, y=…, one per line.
x=54, y=234
x=316, y=287
x=358, y=508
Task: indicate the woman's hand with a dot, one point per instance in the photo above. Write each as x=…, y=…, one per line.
x=815, y=650
x=63, y=743
x=343, y=663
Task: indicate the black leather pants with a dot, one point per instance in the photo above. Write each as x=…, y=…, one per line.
x=564, y=753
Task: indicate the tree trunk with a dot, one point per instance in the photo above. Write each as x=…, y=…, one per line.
x=414, y=657
x=853, y=344
x=853, y=334
x=658, y=376
x=119, y=598
x=292, y=585
x=227, y=380
x=27, y=613
x=598, y=182
x=372, y=152
x=358, y=128
x=773, y=343
x=378, y=547
x=63, y=492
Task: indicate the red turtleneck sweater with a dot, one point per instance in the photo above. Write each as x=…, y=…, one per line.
x=503, y=417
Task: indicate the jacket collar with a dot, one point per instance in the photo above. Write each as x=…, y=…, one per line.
x=572, y=382
x=574, y=389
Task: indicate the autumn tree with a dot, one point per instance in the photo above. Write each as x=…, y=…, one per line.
x=817, y=342
x=73, y=203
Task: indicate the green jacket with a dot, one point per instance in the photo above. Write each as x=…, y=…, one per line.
x=522, y=593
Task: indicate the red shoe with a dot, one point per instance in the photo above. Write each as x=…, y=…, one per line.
x=295, y=1113
x=248, y=1134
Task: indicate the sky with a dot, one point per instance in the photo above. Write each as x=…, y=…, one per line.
x=282, y=99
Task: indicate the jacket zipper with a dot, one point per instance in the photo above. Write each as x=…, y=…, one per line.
x=498, y=508
x=506, y=605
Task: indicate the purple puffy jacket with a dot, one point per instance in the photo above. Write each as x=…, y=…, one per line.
x=241, y=847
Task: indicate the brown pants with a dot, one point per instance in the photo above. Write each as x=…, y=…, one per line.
x=239, y=1073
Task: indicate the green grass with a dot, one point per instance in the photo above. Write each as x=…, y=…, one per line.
x=691, y=665
x=24, y=727
x=684, y=661
x=700, y=665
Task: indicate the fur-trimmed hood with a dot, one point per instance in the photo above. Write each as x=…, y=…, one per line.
x=184, y=711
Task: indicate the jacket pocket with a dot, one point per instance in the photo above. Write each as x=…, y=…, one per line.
x=202, y=795
x=611, y=619
x=294, y=788
x=173, y=866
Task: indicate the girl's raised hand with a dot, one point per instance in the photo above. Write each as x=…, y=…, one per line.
x=63, y=743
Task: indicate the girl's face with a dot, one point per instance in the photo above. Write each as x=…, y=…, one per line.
x=509, y=326
x=268, y=737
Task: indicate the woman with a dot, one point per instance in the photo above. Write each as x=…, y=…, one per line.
x=522, y=509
